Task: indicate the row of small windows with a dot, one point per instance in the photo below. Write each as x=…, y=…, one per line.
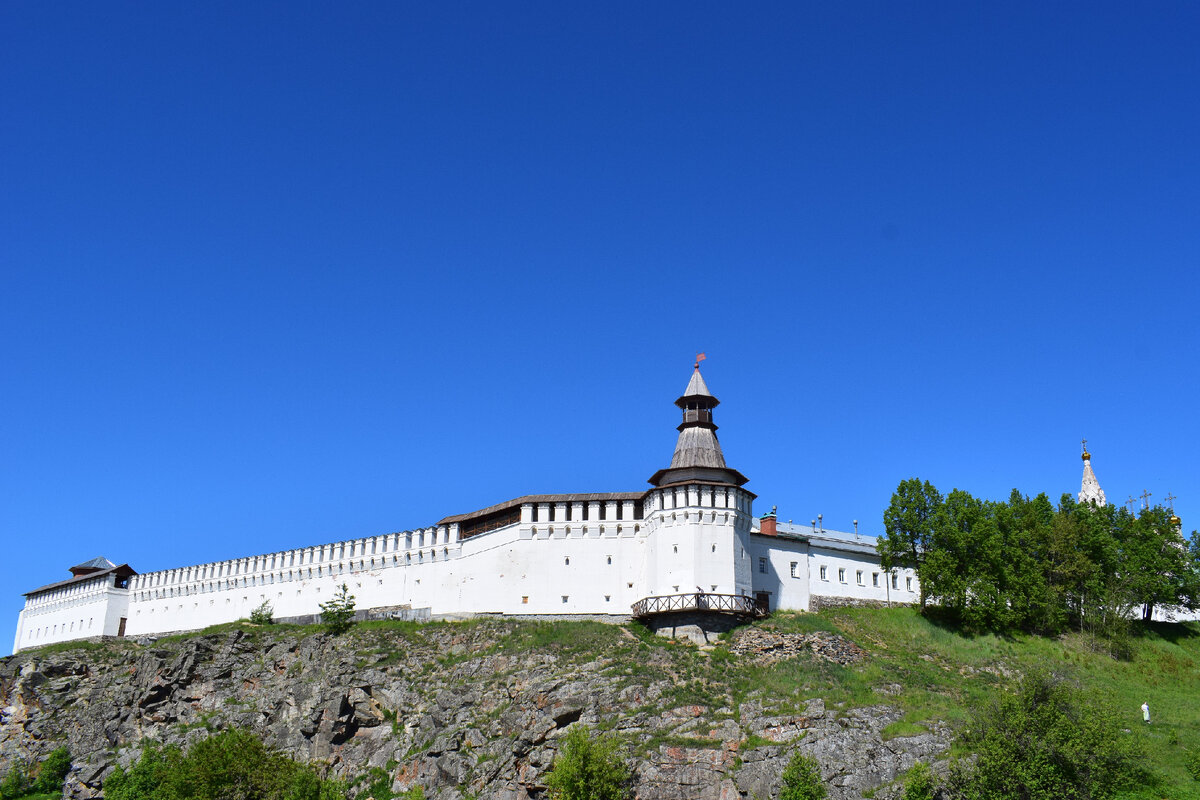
x=54, y=630
x=858, y=577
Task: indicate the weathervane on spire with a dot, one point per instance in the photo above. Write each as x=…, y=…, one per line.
x=700, y=357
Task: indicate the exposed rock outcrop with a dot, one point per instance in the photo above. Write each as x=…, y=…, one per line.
x=459, y=709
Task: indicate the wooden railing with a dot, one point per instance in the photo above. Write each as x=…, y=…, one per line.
x=700, y=601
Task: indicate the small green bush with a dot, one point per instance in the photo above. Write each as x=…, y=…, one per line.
x=53, y=771
x=1192, y=762
x=227, y=765
x=263, y=615
x=338, y=614
x=16, y=782
x=802, y=779
x=919, y=783
x=589, y=768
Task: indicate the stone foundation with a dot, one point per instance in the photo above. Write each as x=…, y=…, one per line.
x=820, y=602
x=699, y=627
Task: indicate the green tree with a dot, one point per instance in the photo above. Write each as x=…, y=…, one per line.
x=262, y=615
x=338, y=613
x=1048, y=741
x=908, y=525
x=802, y=779
x=589, y=767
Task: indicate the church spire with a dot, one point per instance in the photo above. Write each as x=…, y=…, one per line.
x=698, y=454
x=1090, y=491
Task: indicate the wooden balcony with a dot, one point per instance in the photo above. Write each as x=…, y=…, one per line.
x=737, y=604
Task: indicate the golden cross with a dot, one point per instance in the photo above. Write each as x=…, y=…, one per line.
x=1170, y=498
x=1130, y=503
x=1145, y=498
x=1085, y=445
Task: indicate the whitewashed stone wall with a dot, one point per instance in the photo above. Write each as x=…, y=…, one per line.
x=691, y=536
x=76, y=611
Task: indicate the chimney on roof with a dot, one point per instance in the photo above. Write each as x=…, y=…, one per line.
x=821, y=522
x=767, y=524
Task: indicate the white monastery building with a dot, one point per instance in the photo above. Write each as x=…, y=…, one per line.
x=690, y=545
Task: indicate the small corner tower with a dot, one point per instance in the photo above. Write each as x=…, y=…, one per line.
x=698, y=516
x=1090, y=491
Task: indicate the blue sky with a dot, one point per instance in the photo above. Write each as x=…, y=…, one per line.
x=280, y=274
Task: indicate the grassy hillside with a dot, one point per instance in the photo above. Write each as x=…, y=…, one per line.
x=942, y=674
x=936, y=675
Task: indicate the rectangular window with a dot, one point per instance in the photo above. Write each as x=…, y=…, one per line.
x=762, y=566
x=908, y=584
x=794, y=565
x=565, y=598
x=824, y=574
x=858, y=577
x=895, y=581
x=842, y=574
x=875, y=579
x=525, y=599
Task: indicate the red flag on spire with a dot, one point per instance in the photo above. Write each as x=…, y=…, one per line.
x=700, y=357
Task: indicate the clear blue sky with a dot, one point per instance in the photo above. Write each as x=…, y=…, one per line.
x=281, y=274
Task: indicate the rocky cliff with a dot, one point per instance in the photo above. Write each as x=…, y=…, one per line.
x=467, y=709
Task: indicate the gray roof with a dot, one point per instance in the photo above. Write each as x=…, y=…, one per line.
x=99, y=562
x=543, y=498
x=697, y=386
x=122, y=570
x=698, y=447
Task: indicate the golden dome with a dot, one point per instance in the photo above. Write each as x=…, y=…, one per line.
x=1086, y=456
x=1176, y=521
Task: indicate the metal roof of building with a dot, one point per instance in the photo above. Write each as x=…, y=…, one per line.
x=542, y=498
x=123, y=570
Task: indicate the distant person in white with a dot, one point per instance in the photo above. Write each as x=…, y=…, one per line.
x=1146, y=712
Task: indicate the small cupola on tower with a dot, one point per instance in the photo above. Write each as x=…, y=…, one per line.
x=698, y=454
x=1090, y=491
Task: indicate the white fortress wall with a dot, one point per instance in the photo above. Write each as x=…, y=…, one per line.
x=74, y=611
x=575, y=566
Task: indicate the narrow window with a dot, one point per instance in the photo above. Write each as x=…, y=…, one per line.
x=794, y=565
x=762, y=565
x=824, y=573
x=908, y=584
x=565, y=598
x=875, y=579
x=894, y=581
x=609, y=559
x=675, y=548
x=858, y=577
x=842, y=574
x=525, y=599
x=714, y=548
x=567, y=561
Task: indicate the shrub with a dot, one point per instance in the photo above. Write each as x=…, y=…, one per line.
x=802, y=779
x=1192, y=762
x=16, y=782
x=53, y=771
x=919, y=783
x=338, y=613
x=263, y=614
x=227, y=765
x=589, y=768
x=1049, y=740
